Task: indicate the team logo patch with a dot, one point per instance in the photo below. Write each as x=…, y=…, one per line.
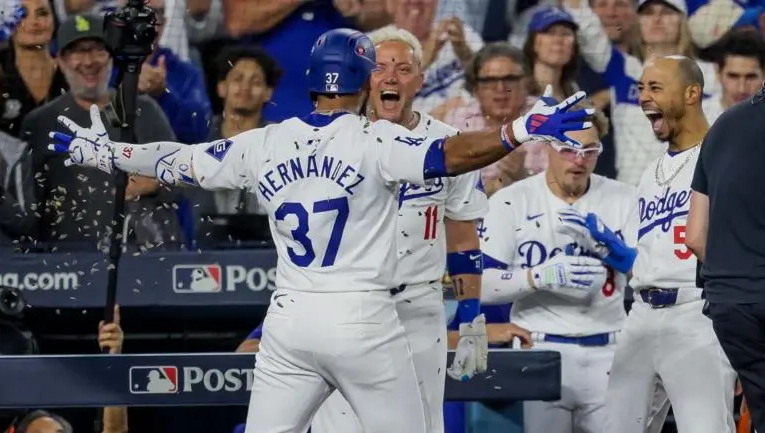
x=219, y=149
x=154, y=380
x=536, y=121
x=197, y=278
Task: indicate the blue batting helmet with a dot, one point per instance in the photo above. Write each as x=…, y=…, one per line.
x=341, y=62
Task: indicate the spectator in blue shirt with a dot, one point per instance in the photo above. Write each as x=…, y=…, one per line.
x=286, y=30
x=177, y=86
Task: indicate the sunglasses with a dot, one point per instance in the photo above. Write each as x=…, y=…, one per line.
x=569, y=153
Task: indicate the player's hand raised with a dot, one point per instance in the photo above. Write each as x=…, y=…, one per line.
x=549, y=120
x=569, y=272
x=87, y=147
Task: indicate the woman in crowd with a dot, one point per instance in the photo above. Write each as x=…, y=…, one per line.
x=497, y=79
x=663, y=30
x=31, y=77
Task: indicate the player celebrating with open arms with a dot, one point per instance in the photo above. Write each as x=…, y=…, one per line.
x=332, y=323
x=436, y=230
x=665, y=335
x=561, y=291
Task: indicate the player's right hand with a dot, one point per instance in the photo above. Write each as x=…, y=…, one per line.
x=549, y=120
x=569, y=272
x=87, y=147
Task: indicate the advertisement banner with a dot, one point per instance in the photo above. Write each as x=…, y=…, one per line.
x=149, y=279
x=221, y=379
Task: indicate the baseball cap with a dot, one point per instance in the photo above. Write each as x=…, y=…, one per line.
x=544, y=18
x=714, y=19
x=678, y=5
x=79, y=27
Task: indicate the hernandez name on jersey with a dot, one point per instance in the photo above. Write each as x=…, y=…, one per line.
x=520, y=231
x=319, y=179
x=422, y=210
x=664, y=197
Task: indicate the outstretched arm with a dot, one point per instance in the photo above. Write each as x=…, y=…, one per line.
x=171, y=163
x=473, y=150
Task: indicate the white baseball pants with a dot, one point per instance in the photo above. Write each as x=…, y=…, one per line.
x=421, y=310
x=315, y=343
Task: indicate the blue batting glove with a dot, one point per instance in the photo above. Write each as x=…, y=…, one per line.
x=593, y=235
x=549, y=120
x=621, y=257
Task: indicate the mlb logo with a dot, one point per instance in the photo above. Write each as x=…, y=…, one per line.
x=332, y=88
x=197, y=278
x=154, y=380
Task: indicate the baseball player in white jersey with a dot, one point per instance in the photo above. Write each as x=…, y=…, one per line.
x=562, y=291
x=329, y=182
x=431, y=221
x=666, y=336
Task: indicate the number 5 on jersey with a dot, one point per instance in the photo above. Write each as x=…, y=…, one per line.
x=682, y=253
x=301, y=232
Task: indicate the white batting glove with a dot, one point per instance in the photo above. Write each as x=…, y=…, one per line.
x=569, y=272
x=549, y=120
x=472, y=354
x=87, y=147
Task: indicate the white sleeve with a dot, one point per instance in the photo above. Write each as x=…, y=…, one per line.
x=400, y=153
x=500, y=282
x=229, y=163
x=466, y=199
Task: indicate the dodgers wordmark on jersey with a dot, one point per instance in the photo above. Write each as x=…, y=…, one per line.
x=421, y=233
x=663, y=260
x=319, y=179
x=519, y=231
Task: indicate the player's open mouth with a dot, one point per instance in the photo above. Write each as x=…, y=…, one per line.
x=389, y=99
x=656, y=118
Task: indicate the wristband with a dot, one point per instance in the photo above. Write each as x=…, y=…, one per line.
x=506, y=143
x=468, y=309
x=464, y=262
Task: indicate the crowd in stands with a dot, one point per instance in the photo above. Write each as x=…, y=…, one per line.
x=221, y=67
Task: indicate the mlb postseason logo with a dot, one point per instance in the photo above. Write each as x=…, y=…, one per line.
x=154, y=380
x=197, y=278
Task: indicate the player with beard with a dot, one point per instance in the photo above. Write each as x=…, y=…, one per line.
x=666, y=336
x=571, y=299
x=435, y=224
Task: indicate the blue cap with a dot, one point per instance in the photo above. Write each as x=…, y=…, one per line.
x=543, y=19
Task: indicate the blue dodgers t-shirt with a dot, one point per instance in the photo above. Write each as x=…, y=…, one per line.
x=290, y=44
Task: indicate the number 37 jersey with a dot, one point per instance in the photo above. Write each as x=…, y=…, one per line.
x=663, y=259
x=330, y=187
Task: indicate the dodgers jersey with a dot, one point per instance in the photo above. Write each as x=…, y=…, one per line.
x=421, y=232
x=636, y=144
x=519, y=232
x=330, y=185
x=663, y=260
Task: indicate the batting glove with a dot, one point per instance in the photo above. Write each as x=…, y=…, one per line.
x=87, y=147
x=549, y=120
x=472, y=354
x=569, y=272
x=593, y=234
